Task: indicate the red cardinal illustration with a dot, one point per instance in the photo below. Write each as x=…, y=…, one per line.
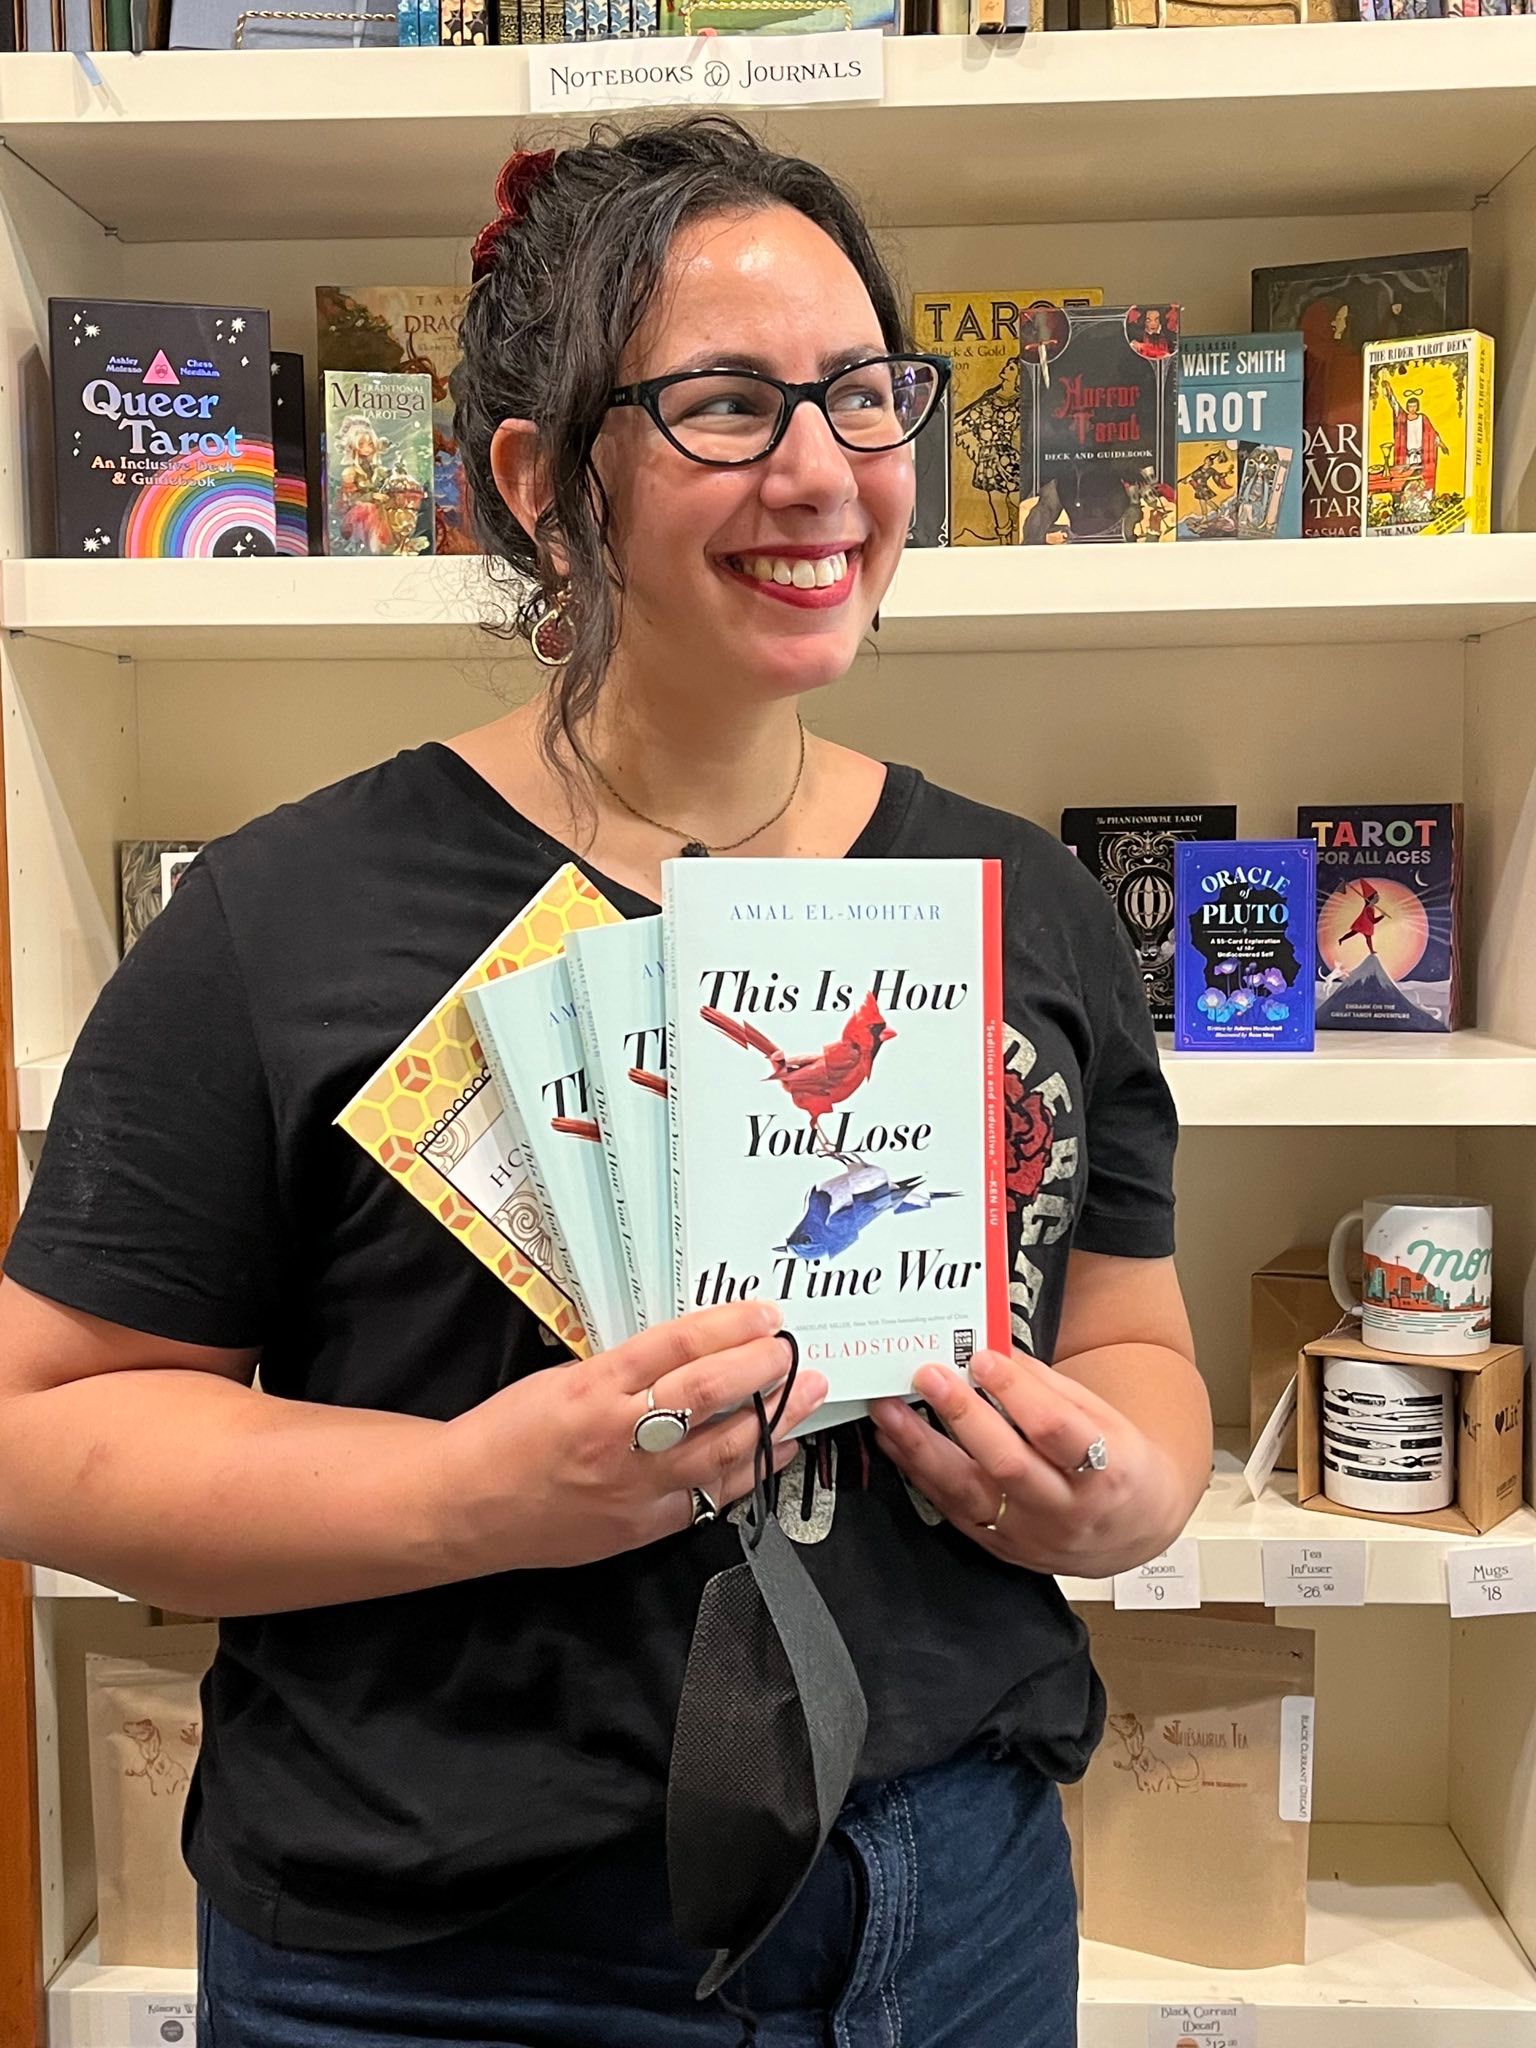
x=815, y=1081
x=577, y=1127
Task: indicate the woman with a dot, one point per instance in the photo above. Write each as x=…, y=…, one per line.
x=457, y=1605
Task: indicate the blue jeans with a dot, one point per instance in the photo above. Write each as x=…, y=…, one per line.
x=940, y=1915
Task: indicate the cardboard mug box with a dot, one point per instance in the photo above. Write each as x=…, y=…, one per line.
x=1490, y=1439
x=1289, y=1303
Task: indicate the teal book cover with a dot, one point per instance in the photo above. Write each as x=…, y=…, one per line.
x=1240, y=450
x=835, y=1095
x=619, y=984
x=526, y=1023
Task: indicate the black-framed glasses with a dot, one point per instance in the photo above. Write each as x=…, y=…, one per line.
x=727, y=417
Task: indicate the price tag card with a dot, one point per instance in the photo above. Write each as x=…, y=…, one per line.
x=162, y=2020
x=1202, y=2026
x=1492, y=1578
x=1171, y=1579
x=1314, y=1574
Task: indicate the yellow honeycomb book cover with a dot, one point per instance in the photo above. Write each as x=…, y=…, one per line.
x=432, y=1118
x=1428, y=435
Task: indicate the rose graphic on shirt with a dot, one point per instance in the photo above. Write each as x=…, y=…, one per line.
x=1030, y=1125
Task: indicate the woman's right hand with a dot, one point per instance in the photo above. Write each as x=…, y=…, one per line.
x=545, y=1472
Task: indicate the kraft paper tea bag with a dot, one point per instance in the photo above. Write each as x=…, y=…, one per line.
x=145, y=1720
x=1195, y=1808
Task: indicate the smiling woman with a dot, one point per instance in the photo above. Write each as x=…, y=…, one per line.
x=498, y=1745
x=710, y=447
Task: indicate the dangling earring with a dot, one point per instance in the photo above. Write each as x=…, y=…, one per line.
x=548, y=635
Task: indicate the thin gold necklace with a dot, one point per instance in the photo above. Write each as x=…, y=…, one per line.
x=695, y=848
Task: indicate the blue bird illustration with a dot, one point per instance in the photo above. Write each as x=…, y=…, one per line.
x=838, y=1210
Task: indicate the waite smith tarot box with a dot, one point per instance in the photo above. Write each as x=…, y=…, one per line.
x=1244, y=918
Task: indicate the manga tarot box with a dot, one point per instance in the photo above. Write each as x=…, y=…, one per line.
x=378, y=463
x=412, y=329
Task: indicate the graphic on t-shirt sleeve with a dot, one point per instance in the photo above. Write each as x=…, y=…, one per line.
x=1042, y=1156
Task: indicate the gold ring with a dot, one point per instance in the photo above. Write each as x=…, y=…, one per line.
x=1002, y=1509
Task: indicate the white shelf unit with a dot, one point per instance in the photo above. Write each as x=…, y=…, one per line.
x=197, y=146
x=943, y=601
x=1383, y=1902
x=178, y=698
x=1404, y=1566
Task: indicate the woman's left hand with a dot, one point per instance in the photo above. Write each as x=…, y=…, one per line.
x=1009, y=1480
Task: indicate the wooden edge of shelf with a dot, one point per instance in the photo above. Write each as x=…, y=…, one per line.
x=22, y=1992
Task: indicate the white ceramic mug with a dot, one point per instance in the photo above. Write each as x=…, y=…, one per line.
x=1427, y=1273
x=1406, y=1469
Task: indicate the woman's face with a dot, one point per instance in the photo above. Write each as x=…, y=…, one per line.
x=767, y=291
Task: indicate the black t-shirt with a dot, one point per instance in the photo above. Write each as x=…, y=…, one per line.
x=397, y=1768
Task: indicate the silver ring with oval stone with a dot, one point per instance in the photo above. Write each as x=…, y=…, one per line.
x=659, y=1429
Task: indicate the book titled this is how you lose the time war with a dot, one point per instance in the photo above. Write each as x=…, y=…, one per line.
x=788, y=1086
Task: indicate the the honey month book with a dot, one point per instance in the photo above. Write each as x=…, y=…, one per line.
x=835, y=1081
x=528, y=1030
x=431, y=1116
x=618, y=980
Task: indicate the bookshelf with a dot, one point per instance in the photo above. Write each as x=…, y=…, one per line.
x=157, y=699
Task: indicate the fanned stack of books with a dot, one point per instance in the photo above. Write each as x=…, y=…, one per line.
x=787, y=1086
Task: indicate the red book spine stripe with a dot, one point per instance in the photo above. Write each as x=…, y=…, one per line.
x=999, y=1335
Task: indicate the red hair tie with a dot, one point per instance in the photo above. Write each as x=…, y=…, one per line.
x=521, y=172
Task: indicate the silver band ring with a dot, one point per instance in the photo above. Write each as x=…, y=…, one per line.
x=659, y=1429
x=704, y=1509
x=992, y=1527
x=1095, y=1458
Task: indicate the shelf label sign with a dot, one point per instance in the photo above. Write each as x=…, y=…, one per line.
x=156, y=2020
x=1491, y=1578
x=706, y=71
x=1314, y=1574
x=1171, y=1579
x=1202, y=2026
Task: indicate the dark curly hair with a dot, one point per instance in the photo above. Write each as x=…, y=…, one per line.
x=565, y=286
